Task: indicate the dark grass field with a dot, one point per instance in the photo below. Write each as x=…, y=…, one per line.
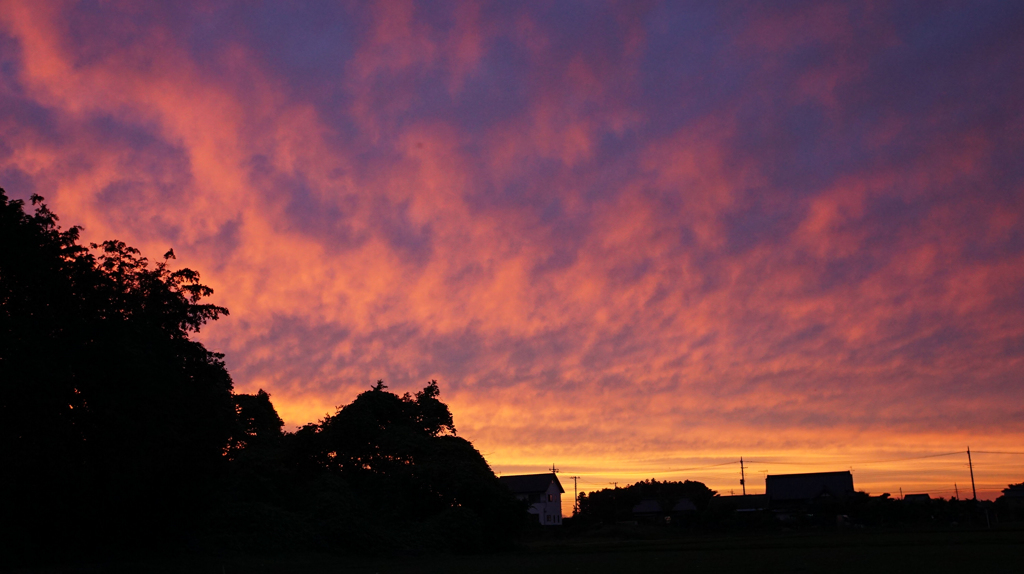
x=893, y=551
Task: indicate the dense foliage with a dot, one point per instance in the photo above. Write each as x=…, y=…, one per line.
x=108, y=411
x=117, y=430
x=616, y=504
x=615, y=507
x=383, y=473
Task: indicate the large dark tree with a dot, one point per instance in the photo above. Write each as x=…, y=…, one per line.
x=113, y=422
x=404, y=451
x=259, y=425
x=384, y=471
x=117, y=430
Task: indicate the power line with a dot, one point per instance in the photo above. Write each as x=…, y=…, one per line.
x=856, y=462
x=970, y=464
x=743, y=477
x=786, y=463
x=777, y=462
x=910, y=458
x=731, y=462
x=647, y=472
x=575, y=495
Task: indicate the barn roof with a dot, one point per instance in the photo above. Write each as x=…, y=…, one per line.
x=808, y=486
x=530, y=483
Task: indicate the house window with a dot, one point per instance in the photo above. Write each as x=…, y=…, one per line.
x=548, y=517
x=551, y=497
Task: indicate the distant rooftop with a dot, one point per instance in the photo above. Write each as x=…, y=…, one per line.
x=530, y=483
x=808, y=486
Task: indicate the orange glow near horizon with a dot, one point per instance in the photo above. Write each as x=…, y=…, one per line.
x=623, y=241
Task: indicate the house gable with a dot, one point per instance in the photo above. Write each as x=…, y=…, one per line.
x=542, y=492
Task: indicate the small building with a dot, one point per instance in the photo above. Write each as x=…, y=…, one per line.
x=542, y=491
x=784, y=490
x=917, y=498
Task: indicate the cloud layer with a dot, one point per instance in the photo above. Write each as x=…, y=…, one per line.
x=625, y=237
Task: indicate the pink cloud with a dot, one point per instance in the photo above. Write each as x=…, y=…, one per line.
x=595, y=272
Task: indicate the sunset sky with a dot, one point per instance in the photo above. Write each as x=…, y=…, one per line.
x=626, y=238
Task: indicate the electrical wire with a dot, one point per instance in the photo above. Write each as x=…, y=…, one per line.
x=698, y=467
x=857, y=462
x=790, y=463
x=646, y=472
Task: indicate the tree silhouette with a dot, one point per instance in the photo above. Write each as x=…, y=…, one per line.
x=616, y=504
x=258, y=422
x=118, y=431
x=384, y=471
x=112, y=420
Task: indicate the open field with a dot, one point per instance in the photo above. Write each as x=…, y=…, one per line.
x=999, y=550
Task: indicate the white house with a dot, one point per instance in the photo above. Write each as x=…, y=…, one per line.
x=542, y=491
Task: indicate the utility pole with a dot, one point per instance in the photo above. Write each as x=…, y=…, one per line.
x=575, y=496
x=957, y=491
x=971, y=464
x=743, y=478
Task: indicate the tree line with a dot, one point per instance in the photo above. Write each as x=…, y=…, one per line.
x=650, y=502
x=119, y=431
x=610, y=505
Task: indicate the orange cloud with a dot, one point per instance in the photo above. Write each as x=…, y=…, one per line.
x=619, y=249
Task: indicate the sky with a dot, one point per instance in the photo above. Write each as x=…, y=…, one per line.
x=631, y=239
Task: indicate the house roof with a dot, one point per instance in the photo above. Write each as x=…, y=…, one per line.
x=808, y=486
x=530, y=483
x=684, y=505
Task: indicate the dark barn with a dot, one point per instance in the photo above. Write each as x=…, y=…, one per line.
x=784, y=490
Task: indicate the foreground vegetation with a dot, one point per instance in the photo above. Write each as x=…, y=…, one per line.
x=120, y=434
x=124, y=448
